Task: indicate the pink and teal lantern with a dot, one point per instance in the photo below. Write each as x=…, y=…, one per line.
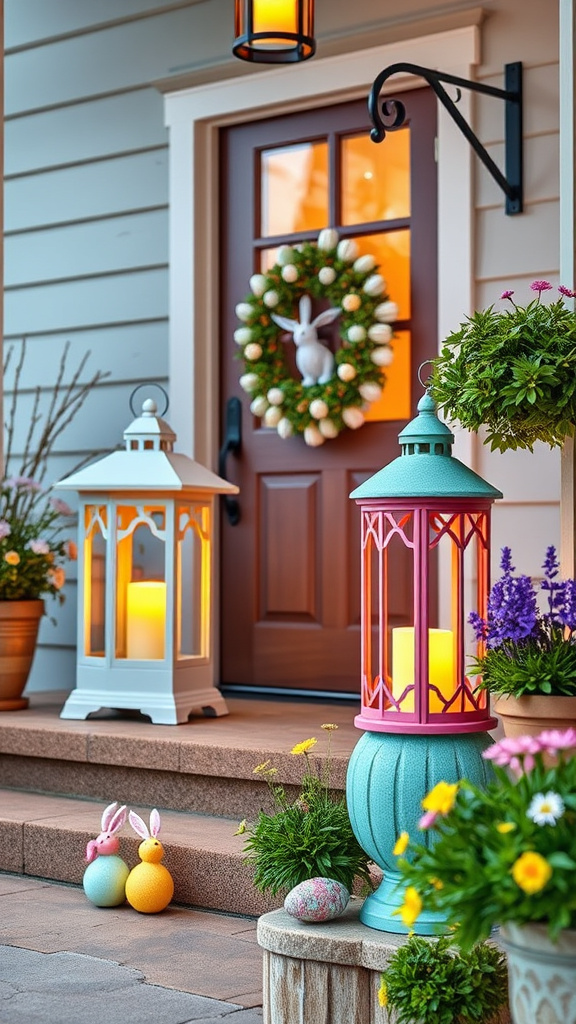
x=425, y=540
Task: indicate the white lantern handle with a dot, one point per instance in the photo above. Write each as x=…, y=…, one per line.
x=139, y=388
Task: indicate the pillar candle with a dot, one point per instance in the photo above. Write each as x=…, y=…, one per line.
x=145, y=620
x=275, y=15
x=440, y=665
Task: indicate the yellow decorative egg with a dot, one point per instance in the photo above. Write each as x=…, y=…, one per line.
x=150, y=886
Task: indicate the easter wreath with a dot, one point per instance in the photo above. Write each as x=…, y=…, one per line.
x=335, y=390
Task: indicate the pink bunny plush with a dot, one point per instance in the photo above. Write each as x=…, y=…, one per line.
x=150, y=886
x=314, y=361
x=104, y=880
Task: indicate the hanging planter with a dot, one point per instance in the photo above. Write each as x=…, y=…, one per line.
x=513, y=372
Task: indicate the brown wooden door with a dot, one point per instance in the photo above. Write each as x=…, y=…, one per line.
x=290, y=581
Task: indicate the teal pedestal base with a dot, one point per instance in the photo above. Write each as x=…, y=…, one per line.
x=388, y=777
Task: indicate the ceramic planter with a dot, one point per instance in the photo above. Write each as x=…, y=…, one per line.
x=541, y=974
x=527, y=716
x=19, y=622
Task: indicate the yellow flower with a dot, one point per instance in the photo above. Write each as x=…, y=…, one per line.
x=383, y=993
x=241, y=828
x=505, y=826
x=441, y=799
x=305, y=746
x=260, y=767
x=531, y=872
x=437, y=884
x=410, y=909
x=329, y=727
x=401, y=844
x=12, y=557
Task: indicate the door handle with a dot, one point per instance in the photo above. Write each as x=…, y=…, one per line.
x=232, y=444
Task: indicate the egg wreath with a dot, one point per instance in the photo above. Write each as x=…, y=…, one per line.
x=338, y=397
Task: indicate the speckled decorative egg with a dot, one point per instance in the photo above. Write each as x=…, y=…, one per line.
x=317, y=899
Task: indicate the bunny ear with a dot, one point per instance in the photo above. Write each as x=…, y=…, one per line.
x=118, y=820
x=327, y=317
x=138, y=825
x=91, y=851
x=107, y=815
x=284, y=322
x=305, y=310
x=154, y=822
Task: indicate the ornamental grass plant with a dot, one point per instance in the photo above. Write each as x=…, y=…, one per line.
x=503, y=854
x=512, y=371
x=528, y=651
x=308, y=837
x=33, y=548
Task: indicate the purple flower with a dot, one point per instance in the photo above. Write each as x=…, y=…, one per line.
x=555, y=589
x=507, y=294
x=567, y=292
x=541, y=286
x=512, y=610
x=5, y=529
x=566, y=611
x=60, y=506
x=23, y=483
x=39, y=547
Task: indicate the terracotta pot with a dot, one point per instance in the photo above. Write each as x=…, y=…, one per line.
x=541, y=974
x=527, y=716
x=19, y=622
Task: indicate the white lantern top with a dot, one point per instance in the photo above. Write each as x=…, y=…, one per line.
x=148, y=464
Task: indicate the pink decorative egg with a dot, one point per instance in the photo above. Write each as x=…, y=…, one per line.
x=317, y=899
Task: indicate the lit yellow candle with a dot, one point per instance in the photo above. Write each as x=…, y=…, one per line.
x=275, y=16
x=145, y=620
x=440, y=665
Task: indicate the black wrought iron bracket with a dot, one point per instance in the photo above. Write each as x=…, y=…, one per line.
x=390, y=114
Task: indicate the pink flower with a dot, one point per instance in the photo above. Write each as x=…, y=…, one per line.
x=5, y=529
x=566, y=291
x=60, y=506
x=541, y=286
x=507, y=294
x=57, y=577
x=24, y=483
x=514, y=752
x=428, y=819
x=553, y=740
x=39, y=547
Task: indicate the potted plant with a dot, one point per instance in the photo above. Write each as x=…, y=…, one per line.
x=431, y=982
x=506, y=855
x=513, y=371
x=32, y=546
x=528, y=658
x=308, y=837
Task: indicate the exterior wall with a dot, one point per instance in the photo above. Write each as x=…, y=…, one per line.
x=87, y=194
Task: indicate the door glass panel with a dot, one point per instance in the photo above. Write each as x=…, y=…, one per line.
x=391, y=251
x=375, y=178
x=395, y=401
x=294, y=188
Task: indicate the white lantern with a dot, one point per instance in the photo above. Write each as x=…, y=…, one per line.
x=145, y=568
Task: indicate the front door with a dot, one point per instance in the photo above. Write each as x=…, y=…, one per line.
x=290, y=584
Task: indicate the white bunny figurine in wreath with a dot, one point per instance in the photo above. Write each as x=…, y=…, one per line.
x=104, y=880
x=314, y=361
x=150, y=886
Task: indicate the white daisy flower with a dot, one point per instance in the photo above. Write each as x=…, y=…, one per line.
x=545, y=808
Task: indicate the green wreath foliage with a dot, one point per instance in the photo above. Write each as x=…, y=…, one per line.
x=263, y=352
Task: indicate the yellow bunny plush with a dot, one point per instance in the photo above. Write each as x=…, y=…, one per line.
x=150, y=886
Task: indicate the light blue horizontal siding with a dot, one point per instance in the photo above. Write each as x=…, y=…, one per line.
x=67, y=306
x=134, y=182
x=100, y=128
x=115, y=59
x=128, y=352
x=95, y=247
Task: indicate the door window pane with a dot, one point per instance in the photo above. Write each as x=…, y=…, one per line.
x=375, y=178
x=395, y=401
x=391, y=250
x=294, y=188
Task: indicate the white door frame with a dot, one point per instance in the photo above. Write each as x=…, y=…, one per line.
x=194, y=117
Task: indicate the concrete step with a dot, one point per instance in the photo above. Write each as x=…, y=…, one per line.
x=45, y=836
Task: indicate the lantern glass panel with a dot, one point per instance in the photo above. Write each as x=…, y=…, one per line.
x=141, y=598
x=96, y=533
x=193, y=581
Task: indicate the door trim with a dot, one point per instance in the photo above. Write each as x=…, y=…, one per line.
x=194, y=117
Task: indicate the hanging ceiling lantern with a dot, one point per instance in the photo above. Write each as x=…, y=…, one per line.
x=274, y=31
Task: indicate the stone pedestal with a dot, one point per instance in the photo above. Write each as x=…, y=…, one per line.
x=325, y=973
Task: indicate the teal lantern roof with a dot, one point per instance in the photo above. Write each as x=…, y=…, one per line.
x=426, y=467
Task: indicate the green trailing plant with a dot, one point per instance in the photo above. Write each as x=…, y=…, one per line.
x=512, y=371
x=306, y=838
x=528, y=651
x=428, y=982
